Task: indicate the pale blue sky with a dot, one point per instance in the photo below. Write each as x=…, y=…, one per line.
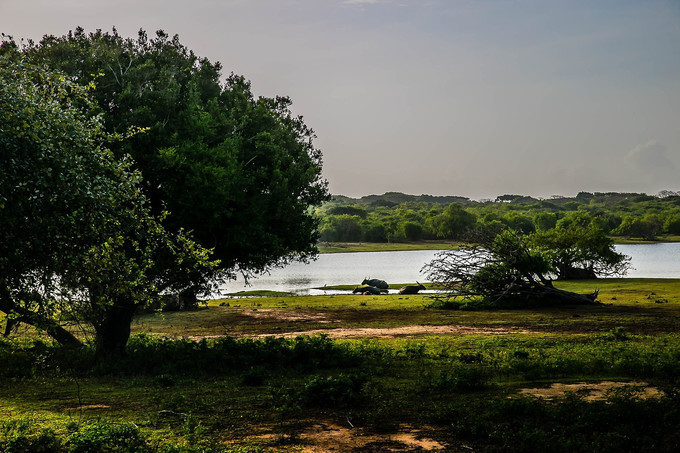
x=473, y=98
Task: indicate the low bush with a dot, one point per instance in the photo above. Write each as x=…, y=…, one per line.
x=107, y=437
x=464, y=378
x=569, y=424
x=166, y=358
x=21, y=436
x=335, y=391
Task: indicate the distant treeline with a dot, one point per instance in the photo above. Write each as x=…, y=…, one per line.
x=400, y=217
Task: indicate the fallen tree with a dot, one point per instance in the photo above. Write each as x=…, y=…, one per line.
x=500, y=270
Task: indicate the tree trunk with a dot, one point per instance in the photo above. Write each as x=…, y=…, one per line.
x=10, y=323
x=48, y=325
x=563, y=297
x=113, y=332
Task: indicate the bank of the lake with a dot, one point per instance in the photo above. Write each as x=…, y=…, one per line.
x=350, y=247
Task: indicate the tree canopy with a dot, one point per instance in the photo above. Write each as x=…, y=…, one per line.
x=240, y=172
x=580, y=251
x=389, y=217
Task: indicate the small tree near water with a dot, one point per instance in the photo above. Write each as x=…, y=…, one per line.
x=501, y=269
x=580, y=252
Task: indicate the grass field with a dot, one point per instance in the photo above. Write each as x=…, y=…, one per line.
x=362, y=373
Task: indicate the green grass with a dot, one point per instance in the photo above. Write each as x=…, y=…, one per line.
x=259, y=293
x=244, y=393
x=346, y=247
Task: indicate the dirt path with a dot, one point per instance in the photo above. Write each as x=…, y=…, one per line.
x=403, y=331
x=288, y=315
x=388, y=332
x=593, y=391
x=331, y=437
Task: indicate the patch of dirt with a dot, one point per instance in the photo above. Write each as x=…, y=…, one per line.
x=288, y=315
x=392, y=332
x=593, y=391
x=322, y=438
x=88, y=406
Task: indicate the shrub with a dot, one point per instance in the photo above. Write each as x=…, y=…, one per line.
x=20, y=436
x=461, y=378
x=331, y=391
x=107, y=437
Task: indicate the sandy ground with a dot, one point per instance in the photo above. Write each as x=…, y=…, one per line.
x=331, y=437
x=288, y=315
x=328, y=438
x=592, y=391
x=402, y=331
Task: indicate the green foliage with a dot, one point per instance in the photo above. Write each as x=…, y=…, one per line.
x=348, y=210
x=412, y=231
x=462, y=379
x=341, y=228
x=72, y=213
x=646, y=227
x=454, y=222
x=335, y=391
x=164, y=356
x=580, y=249
x=545, y=221
x=502, y=270
x=108, y=437
x=20, y=436
x=567, y=424
x=384, y=217
x=672, y=224
x=239, y=172
x=519, y=222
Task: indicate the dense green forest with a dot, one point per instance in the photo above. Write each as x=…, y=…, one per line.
x=395, y=217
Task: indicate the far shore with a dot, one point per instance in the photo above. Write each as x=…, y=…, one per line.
x=348, y=247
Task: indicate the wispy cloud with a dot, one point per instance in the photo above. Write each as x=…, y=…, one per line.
x=652, y=160
x=364, y=2
x=651, y=156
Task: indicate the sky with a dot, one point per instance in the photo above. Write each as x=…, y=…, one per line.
x=443, y=97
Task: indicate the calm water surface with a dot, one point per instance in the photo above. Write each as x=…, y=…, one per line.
x=648, y=261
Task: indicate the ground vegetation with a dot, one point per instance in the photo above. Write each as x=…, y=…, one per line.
x=587, y=378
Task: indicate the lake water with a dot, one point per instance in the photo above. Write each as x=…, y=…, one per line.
x=648, y=261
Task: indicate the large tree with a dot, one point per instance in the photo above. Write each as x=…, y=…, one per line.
x=78, y=241
x=240, y=172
